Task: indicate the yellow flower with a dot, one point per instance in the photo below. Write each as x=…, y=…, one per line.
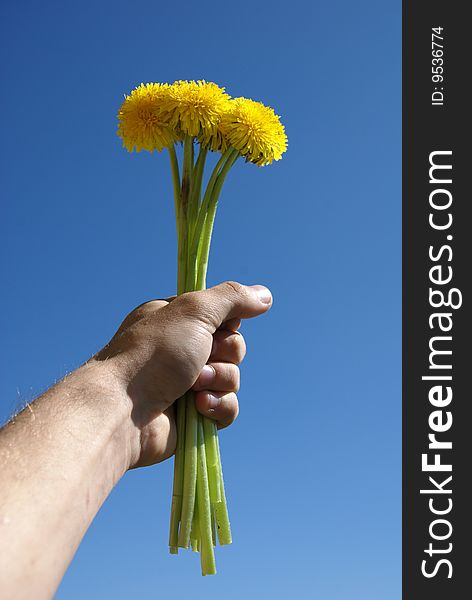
x=255, y=130
x=141, y=123
x=195, y=108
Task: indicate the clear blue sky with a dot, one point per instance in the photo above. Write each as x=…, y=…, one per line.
x=313, y=463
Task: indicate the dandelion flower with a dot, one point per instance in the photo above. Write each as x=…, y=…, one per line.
x=195, y=108
x=255, y=130
x=142, y=125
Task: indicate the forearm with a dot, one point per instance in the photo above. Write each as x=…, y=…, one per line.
x=59, y=459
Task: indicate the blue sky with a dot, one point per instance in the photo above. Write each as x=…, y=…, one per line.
x=313, y=463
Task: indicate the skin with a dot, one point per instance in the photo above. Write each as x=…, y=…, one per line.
x=62, y=455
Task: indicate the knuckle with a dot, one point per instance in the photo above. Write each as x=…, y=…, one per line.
x=232, y=406
x=238, y=347
x=229, y=377
x=236, y=287
x=192, y=305
x=138, y=313
x=147, y=307
x=188, y=303
x=235, y=378
x=143, y=310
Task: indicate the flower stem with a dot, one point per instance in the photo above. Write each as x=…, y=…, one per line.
x=221, y=509
x=186, y=209
x=205, y=236
x=195, y=531
x=174, y=165
x=210, y=433
x=193, y=208
x=198, y=496
x=178, y=484
x=202, y=213
x=196, y=187
x=190, y=472
x=204, y=509
x=181, y=226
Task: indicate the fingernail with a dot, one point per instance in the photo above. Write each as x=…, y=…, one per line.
x=207, y=374
x=263, y=293
x=213, y=401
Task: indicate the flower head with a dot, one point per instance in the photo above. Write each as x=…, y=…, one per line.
x=142, y=125
x=195, y=108
x=255, y=130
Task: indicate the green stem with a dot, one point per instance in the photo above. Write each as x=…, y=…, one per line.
x=215, y=472
x=205, y=238
x=178, y=484
x=180, y=219
x=213, y=525
x=195, y=531
x=182, y=255
x=202, y=213
x=213, y=466
x=177, y=492
x=221, y=509
x=174, y=165
x=196, y=188
x=189, y=433
x=186, y=175
x=187, y=171
x=194, y=199
x=190, y=472
x=198, y=496
x=204, y=508
x=182, y=252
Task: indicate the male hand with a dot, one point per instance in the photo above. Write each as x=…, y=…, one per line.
x=162, y=349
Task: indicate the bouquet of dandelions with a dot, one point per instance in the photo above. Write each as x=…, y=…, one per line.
x=198, y=115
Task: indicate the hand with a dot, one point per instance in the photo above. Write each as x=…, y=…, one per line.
x=163, y=349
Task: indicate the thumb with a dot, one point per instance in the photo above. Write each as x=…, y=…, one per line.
x=229, y=300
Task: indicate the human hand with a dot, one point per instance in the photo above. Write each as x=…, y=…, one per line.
x=163, y=349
